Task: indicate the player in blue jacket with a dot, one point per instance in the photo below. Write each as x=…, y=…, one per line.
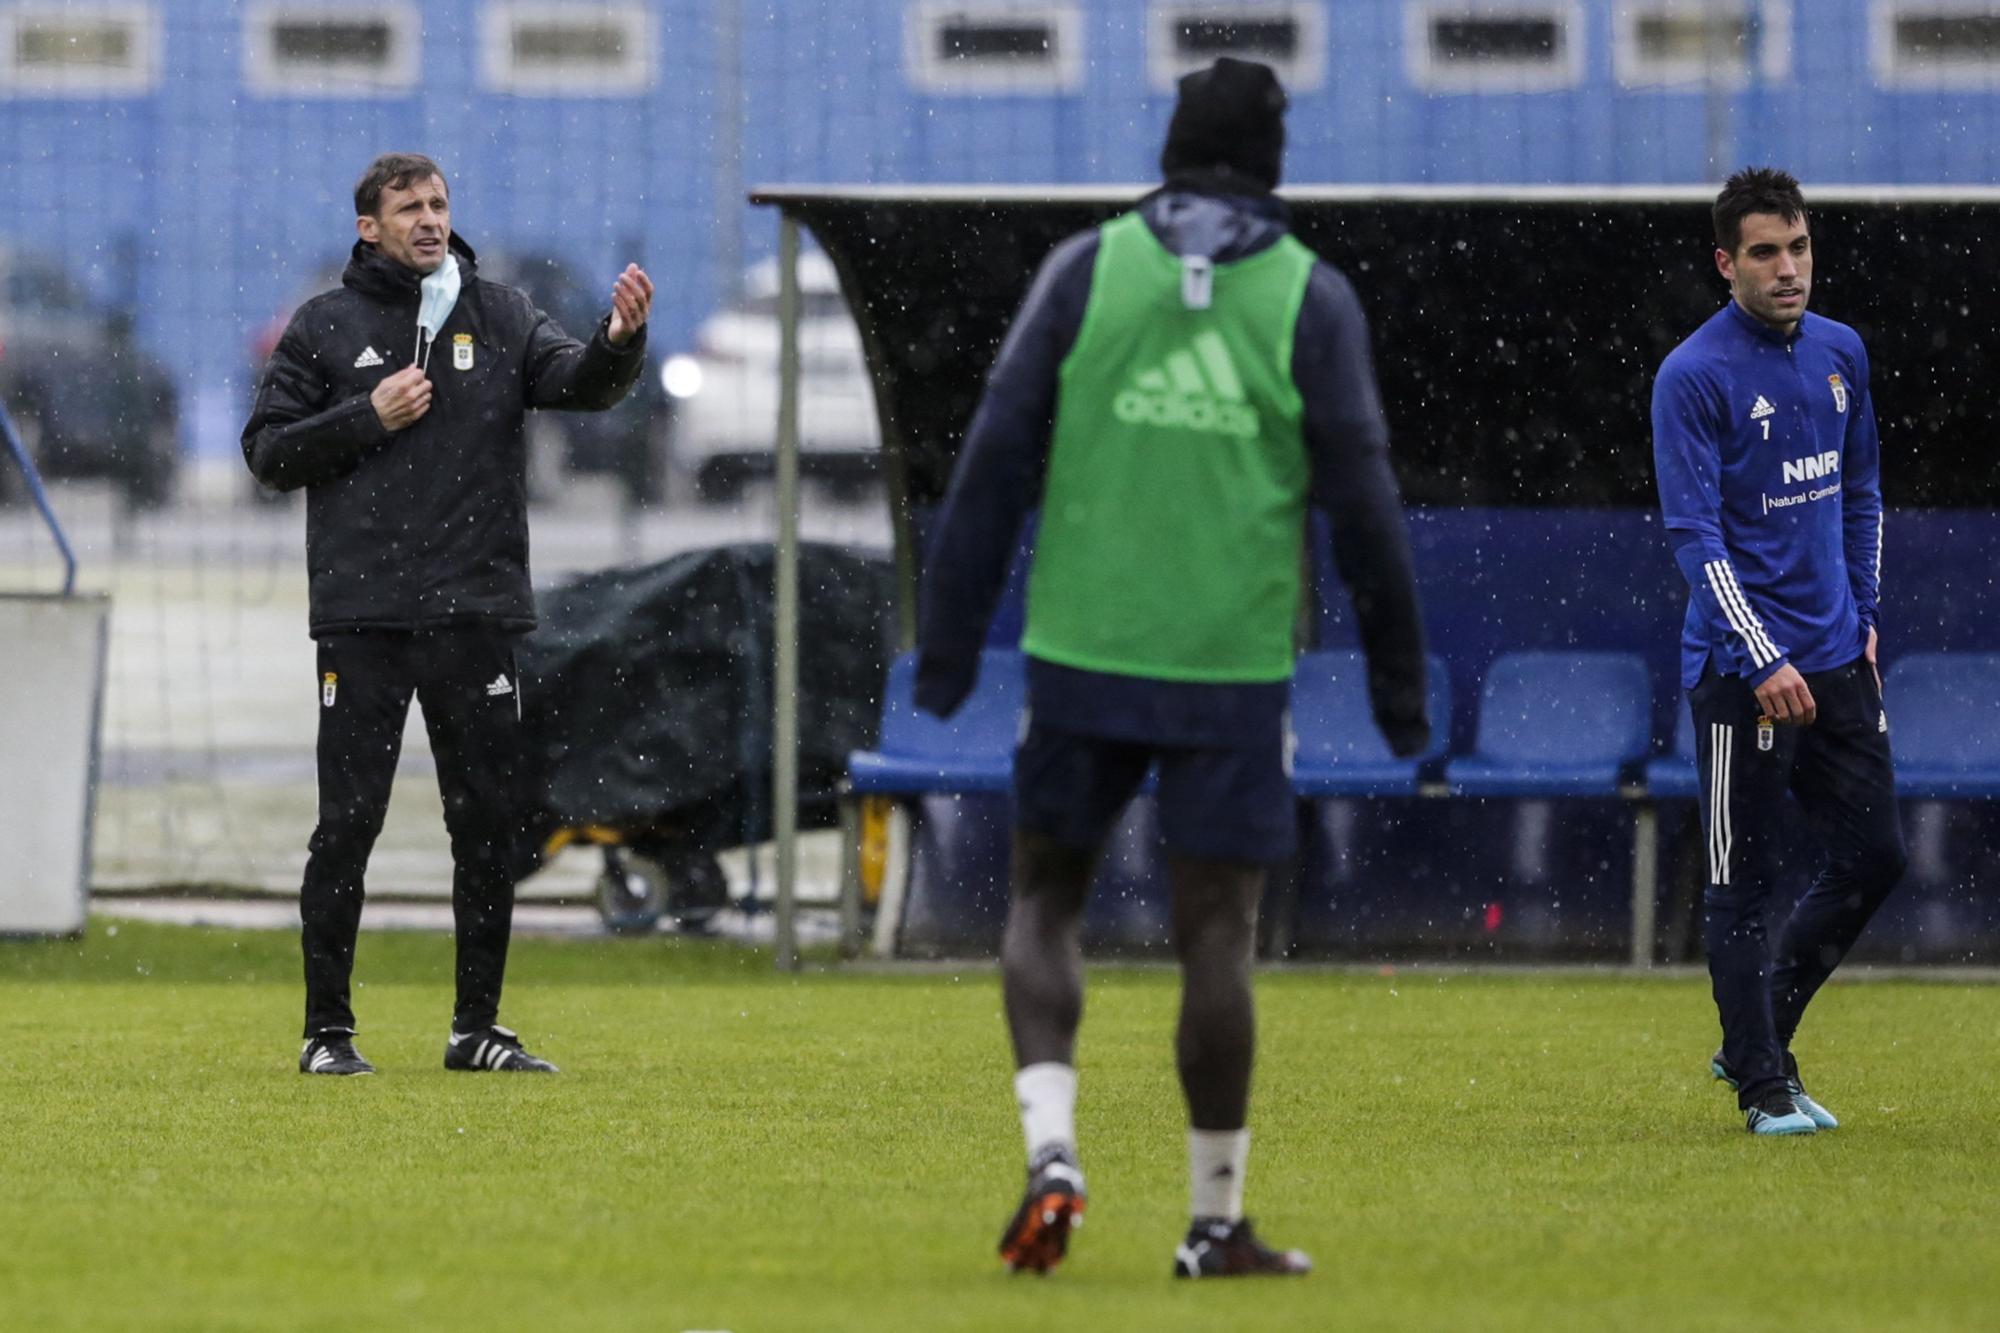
x=1769, y=472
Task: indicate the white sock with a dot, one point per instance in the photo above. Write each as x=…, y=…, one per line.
x=1046, y=1093
x=1216, y=1162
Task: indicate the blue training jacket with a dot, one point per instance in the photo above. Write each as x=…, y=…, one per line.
x=1770, y=485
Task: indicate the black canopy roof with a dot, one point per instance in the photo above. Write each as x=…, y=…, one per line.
x=1516, y=330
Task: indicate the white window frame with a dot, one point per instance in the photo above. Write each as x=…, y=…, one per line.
x=140, y=76
x=1635, y=69
x=1521, y=77
x=268, y=75
x=931, y=73
x=636, y=72
x=1891, y=71
x=1304, y=72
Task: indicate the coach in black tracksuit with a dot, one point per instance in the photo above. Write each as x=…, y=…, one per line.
x=409, y=441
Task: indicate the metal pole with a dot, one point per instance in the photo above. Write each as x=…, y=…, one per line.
x=785, y=679
x=37, y=492
x=1645, y=881
x=851, y=821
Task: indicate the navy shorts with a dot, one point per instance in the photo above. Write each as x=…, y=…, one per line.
x=1216, y=803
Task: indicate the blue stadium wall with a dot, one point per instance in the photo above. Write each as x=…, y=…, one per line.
x=205, y=206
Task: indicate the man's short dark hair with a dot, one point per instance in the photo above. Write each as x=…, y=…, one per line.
x=391, y=171
x=1755, y=190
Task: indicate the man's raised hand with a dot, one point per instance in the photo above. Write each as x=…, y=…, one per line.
x=631, y=302
x=402, y=398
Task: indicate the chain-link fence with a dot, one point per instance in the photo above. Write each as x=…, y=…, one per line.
x=179, y=175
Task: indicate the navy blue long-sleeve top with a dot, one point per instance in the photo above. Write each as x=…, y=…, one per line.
x=1770, y=486
x=1001, y=469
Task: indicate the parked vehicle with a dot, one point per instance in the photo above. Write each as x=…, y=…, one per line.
x=726, y=388
x=88, y=400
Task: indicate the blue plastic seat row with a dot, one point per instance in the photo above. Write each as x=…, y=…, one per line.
x=1339, y=751
x=1944, y=725
x=1558, y=724
x=972, y=752
x=1550, y=725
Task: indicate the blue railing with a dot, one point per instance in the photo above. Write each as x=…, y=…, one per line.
x=41, y=497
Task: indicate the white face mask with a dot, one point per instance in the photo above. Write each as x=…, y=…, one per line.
x=440, y=295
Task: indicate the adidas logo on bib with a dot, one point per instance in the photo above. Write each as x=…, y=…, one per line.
x=1196, y=389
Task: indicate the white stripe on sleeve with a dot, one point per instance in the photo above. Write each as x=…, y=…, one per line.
x=1756, y=626
x=1728, y=592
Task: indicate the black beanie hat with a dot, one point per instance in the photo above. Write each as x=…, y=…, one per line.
x=1231, y=115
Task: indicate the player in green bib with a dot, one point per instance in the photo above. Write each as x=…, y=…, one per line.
x=1181, y=385
x=1174, y=510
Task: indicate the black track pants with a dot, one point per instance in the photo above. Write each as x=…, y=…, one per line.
x=1840, y=771
x=465, y=681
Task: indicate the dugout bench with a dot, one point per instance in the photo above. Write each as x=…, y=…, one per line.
x=1550, y=726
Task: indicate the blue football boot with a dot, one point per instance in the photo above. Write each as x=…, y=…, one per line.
x=1820, y=1116
x=1776, y=1113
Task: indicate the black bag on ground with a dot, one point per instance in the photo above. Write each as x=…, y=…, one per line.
x=647, y=694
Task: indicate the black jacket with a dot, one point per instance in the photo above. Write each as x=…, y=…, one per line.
x=427, y=526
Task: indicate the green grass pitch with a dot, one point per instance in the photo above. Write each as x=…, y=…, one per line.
x=733, y=1149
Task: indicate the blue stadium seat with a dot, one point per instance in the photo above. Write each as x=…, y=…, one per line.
x=1340, y=753
x=972, y=752
x=1557, y=724
x=1671, y=776
x=1944, y=725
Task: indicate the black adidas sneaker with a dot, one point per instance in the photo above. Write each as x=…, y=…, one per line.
x=492, y=1049
x=332, y=1053
x=1215, y=1248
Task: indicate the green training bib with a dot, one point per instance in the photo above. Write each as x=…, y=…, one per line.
x=1173, y=513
